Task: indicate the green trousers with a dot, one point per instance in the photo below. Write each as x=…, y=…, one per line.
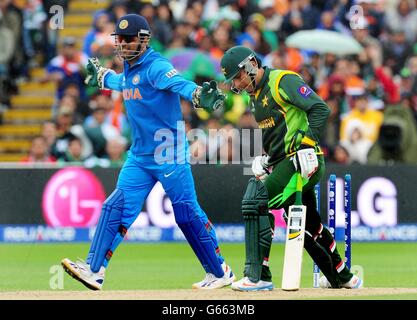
x=319, y=243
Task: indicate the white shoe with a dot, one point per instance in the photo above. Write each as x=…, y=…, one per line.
x=354, y=283
x=246, y=285
x=210, y=281
x=324, y=283
x=81, y=271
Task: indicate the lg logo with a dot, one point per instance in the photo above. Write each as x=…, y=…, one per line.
x=73, y=197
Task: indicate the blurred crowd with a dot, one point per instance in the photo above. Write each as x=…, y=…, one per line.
x=372, y=95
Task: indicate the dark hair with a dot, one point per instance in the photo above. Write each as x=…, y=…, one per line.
x=74, y=138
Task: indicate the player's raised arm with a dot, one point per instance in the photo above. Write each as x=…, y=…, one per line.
x=164, y=76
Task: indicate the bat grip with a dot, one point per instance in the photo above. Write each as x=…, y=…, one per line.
x=299, y=190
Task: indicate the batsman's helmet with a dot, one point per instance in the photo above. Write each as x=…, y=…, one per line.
x=129, y=27
x=236, y=59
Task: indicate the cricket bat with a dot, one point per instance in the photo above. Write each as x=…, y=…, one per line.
x=294, y=241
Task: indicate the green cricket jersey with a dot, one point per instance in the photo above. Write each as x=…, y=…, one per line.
x=289, y=112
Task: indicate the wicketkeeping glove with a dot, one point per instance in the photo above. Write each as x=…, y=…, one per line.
x=95, y=73
x=305, y=160
x=208, y=96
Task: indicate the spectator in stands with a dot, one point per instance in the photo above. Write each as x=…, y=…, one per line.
x=340, y=155
x=33, y=35
x=66, y=67
x=181, y=37
x=365, y=64
x=337, y=102
x=222, y=36
x=357, y=145
x=403, y=17
x=63, y=125
x=116, y=151
x=257, y=39
x=163, y=23
x=49, y=132
x=190, y=116
x=269, y=36
x=74, y=151
x=369, y=119
x=39, y=152
x=273, y=18
x=12, y=18
x=117, y=9
x=284, y=58
x=302, y=16
x=247, y=121
x=99, y=132
x=69, y=102
x=103, y=45
x=327, y=21
x=412, y=67
x=100, y=20
x=11, y=68
x=102, y=101
x=396, y=50
x=324, y=64
x=406, y=81
x=115, y=156
x=7, y=49
x=72, y=89
x=275, y=59
x=389, y=90
x=66, y=130
x=192, y=16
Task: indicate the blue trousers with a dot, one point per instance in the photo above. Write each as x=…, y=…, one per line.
x=136, y=179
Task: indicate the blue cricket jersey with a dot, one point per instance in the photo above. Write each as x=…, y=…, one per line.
x=151, y=90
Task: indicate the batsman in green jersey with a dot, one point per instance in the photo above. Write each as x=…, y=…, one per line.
x=292, y=117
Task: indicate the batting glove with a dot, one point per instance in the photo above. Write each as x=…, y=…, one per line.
x=305, y=160
x=260, y=167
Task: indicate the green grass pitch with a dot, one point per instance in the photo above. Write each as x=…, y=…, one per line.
x=139, y=266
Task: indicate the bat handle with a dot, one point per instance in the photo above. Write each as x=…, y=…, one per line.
x=299, y=190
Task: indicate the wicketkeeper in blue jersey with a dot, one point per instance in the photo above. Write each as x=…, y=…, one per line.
x=152, y=89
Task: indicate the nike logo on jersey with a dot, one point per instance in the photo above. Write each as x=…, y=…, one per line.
x=166, y=175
